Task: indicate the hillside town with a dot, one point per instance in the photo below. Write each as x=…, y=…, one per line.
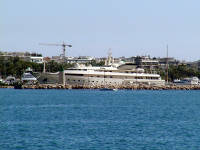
x=48, y=70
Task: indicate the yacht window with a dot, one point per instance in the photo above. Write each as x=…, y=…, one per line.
x=74, y=74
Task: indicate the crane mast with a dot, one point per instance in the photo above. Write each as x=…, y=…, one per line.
x=62, y=45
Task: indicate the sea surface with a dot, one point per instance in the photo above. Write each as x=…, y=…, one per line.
x=99, y=120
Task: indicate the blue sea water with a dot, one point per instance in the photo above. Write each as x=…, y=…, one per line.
x=99, y=120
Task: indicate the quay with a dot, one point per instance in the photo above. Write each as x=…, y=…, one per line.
x=122, y=87
x=6, y=87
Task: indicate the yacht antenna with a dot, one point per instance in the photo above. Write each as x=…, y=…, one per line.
x=109, y=56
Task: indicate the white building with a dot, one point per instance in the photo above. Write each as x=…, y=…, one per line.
x=38, y=60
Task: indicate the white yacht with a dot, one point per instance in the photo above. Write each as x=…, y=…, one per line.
x=108, y=76
x=27, y=76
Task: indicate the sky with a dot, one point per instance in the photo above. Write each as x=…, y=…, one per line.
x=92, y=27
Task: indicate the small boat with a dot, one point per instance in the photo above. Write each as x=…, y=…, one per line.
x=115, y=89
x=187, y=81
x=10, y=80
x=108, y=89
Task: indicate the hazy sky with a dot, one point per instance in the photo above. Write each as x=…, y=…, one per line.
x=128, y=27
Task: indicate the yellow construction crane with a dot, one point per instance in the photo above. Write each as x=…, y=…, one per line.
x=63, y=45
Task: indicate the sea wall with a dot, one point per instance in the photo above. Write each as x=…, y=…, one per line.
x=128, y=87
x=6, y=87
